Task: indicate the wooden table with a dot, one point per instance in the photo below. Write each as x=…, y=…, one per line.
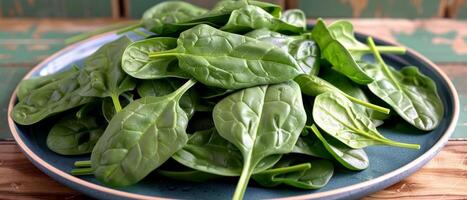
x=23, y=43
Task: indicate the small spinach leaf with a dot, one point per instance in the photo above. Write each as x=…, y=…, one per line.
x=311, y=146
x=353, y=159
x=253, y=17
x=340, y=118
x=295, y=17
x=140, y=138
x=410, y=93
x=260, y=121
x=73, y=136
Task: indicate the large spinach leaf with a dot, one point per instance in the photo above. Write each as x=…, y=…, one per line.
x=303, y=49
x=102, y=75
x=309, y=174
x=55, y=97
x=260, y=121
x=165, y=86
x=354, y=159
x=230, y=61
x=136, y=61
x=253, y=17
x=410, y=93
x=140, y=138
x=313, y=86
x=207, y=151
x=75, y=136
x=340, y=118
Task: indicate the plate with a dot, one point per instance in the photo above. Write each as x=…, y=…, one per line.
x=388, y=165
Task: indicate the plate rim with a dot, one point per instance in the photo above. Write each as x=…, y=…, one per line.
x=422, y=159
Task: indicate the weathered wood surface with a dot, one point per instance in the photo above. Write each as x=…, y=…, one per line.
x=445, y=177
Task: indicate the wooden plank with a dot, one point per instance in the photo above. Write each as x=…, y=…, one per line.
x=136, y=8
x=58, y=8
x=444, y=177
x=368, y=9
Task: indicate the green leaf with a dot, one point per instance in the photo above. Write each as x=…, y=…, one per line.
x=253, y=17
x=311, y=146
x=107, y=105
x=353, y=159
x=340, y=118
x=410, y=93
x=260, y=121
x=73, y=136
x=338, y=55
x=295, y=17
x=140, y=138
x=304, y=50
x=26, y=86
x=158, y=17
x=310, y=174
x=207, y=151
x=102, y=75
x=136, y=61
x=217, y=58
x=50, y=99
x=165, y=86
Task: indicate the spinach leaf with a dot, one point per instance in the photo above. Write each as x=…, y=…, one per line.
x=295, y=17
x=410, y=93
x=340, y=118
x=312, y=174
x=217, y=58
x=140, y=138
x=353, y=159
x=55, y=97
x=158, y=17
x=260, y=121
x=25, y=87
x=207, y=151
x=338, y=55
x=304, y=50
x=107, y=106
x=160, y=87
x=75, y=136
x=313, y=86
x=102, y=75
x=136, y=61
x=253, y=17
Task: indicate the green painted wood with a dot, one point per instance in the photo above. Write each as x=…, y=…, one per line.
x=458, y=9
x=10, y=77
x=136, y=8
x=371, y=8
x=56, y=8
x=437, y=47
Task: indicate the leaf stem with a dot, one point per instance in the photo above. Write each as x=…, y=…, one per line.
x=116, y=101
x=82, y=171
x=182, y=89
x=380, y=60
x=400, y=144
x=83, y=163
x=243, y=181
x=294, y=168
x=382, y=49
x=366, y=104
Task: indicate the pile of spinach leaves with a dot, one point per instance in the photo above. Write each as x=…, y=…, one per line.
x=243, y=89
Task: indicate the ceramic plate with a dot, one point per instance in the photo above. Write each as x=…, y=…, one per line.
x=388, y=165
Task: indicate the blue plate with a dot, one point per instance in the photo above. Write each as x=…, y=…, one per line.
x=388, y=165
